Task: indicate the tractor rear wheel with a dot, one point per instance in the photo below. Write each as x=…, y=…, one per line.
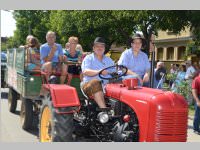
x=26, y=114
x=12, y=100
x=54, y=127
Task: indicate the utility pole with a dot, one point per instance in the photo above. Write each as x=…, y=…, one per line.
x=152, y=54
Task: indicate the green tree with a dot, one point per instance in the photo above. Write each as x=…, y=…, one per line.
x=116, y=26
x=33, y=22
x=3, y=46
x=194, y=19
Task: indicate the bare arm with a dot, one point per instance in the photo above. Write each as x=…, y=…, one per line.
x=129, y=72
x=90, y=72
x=146, y=76
x=28, y=56
x=51, y=54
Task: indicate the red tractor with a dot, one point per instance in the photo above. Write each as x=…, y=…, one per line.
x=133, y=113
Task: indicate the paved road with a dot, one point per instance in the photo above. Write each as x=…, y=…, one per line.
x=11, y=131
x=10, y=128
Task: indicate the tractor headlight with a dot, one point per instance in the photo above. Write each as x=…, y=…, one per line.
x=103, y=117
x=31, y=79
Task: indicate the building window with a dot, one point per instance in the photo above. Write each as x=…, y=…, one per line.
x=160, y=54
x=181, y=52
x=170, y=53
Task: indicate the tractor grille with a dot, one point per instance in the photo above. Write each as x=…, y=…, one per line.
x=171, y=126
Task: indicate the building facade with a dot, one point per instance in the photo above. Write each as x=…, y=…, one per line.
x=171, y=47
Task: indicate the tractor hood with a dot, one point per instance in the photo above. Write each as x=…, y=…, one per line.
x=119, y=91
x=146, y=95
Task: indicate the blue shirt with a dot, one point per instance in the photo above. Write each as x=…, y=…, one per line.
x=180, y=77
x=45, y=50
x=91, y=62
x=138, y=64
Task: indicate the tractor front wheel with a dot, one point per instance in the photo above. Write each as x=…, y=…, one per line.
x=54, y=127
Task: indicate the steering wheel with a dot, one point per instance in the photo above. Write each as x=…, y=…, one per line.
x=115, y=72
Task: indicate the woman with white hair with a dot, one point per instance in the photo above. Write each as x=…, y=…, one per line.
x=160, y=72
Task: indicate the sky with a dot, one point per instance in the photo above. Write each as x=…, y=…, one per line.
x=7, y=23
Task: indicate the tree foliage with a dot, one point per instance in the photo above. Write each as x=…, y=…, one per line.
x=34, y=22
x=116, y=26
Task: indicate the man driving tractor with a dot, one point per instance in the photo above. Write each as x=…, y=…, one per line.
x=91, y=67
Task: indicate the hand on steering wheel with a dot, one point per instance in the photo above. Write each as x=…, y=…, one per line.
x=115, y=72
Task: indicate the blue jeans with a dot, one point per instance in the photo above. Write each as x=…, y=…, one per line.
x=196, y=122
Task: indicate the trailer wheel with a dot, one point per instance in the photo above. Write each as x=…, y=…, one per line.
x=54, y=127
x=26, y=114
x=12, y=100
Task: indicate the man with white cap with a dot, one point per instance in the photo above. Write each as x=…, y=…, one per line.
x=190, y=70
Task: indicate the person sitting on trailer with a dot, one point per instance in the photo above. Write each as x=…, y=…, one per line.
x=136, y=61
x=33, y=63
x=27, y=42
x=83, y=55
x=73, y=55
x=33, y=55
x=51, y=56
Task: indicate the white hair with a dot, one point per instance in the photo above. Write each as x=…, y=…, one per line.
x=50, y=33
x=160, y=63
x=29, y=37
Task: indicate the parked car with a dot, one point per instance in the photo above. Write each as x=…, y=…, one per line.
x=3, y=67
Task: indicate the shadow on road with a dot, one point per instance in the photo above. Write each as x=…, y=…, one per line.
x=34, y=129
x=190, y=127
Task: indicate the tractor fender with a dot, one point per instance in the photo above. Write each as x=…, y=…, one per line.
x=63, y=95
